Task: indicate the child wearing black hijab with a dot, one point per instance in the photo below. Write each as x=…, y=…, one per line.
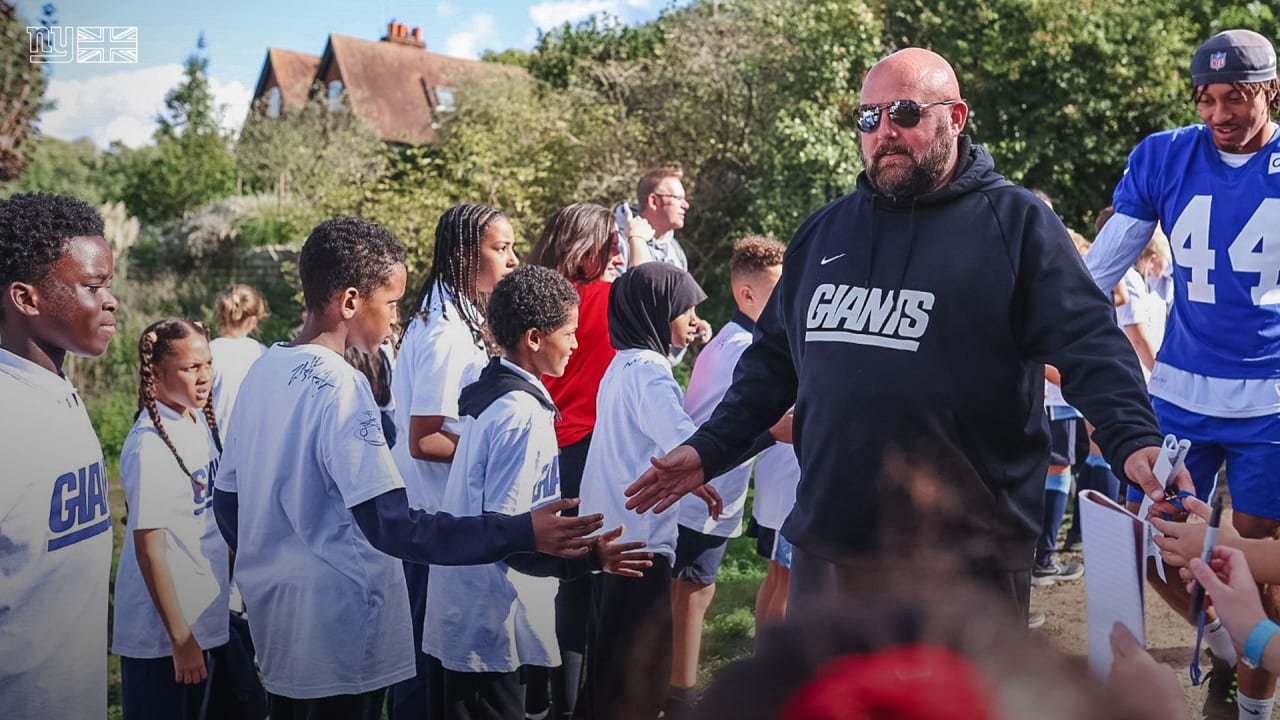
x=639, y=415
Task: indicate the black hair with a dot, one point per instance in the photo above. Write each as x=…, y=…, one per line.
x=34, y=230
x=1269, y=89
x=345, y=252
x=155, y=345
x=532, y=296
x=455, y=262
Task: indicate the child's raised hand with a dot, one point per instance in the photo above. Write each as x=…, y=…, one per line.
x=622, y=558
x=1185, y=540
x=563, y=536
x=1232, y=590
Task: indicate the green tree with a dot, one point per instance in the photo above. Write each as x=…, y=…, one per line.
x=312, y=158
x=190, y=163
x=66, y=168
x=22, y=85
x=1061, y=107
x=510, y=145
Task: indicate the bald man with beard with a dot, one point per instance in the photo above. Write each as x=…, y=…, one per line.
x=910, y=329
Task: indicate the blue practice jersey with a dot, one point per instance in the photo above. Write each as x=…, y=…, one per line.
x=1224, y=227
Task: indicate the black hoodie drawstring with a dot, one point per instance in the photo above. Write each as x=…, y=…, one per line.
x=911, y=248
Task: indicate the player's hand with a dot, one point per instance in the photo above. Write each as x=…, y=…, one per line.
x=671, y=477
x=564, y=536
x=1138, y=468
x=1233, y=591
x=711, y=496
x=1133, y=667
x=1185, y=540
x=188, y=661
x=622, y=558
x=781, y=430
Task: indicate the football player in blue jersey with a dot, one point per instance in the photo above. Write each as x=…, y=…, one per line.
x=1215, y=190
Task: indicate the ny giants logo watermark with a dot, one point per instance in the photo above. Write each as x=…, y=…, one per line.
x=90, y=45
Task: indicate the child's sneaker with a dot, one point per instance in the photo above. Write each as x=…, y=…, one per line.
x=1056, y=572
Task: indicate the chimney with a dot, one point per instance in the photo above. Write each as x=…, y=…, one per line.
x=399, y=34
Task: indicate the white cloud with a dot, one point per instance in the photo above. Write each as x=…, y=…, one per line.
x=123, y=105
x=479, y=33
x=550, y=15
x=446, y=10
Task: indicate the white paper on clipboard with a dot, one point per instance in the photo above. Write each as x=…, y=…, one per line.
x=1115, y=551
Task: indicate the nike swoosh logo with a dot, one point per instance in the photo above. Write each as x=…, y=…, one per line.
x=826, y=259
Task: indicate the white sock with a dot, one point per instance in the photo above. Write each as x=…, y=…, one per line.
x=1220, y=642
x=1251, y=709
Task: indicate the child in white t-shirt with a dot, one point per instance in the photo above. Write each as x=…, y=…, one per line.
x=485, y=622
x=55, y=267
x=755, y=268
x=639, y=415
x=441, y=351
x=310, y=499
x=173, y=580
x=240, y=309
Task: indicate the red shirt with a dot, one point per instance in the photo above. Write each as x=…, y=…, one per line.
x=574, y=393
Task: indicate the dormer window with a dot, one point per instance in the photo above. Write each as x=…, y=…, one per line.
x=335, y=95
x=274, y=100
x=445, y=100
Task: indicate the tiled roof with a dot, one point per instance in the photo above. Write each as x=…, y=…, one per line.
x=294, y=71
x=392, y=85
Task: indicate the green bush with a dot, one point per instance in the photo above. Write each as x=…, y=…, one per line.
x=112, y=416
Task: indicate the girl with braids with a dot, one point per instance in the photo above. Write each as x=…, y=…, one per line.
x=442, y=350
x=240, y=309
x=580, y=242
x=171, y=622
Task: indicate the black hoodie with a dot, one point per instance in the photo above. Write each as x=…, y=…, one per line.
x=911, y=334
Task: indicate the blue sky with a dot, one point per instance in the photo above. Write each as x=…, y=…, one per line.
x=108, y=102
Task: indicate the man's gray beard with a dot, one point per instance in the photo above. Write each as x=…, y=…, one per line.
x=924, y=173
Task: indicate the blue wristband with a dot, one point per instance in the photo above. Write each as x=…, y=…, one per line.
x=1257, y=641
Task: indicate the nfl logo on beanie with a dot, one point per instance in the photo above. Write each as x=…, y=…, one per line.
x=1234, y=56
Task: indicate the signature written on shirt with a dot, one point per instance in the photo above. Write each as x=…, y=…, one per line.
x=310, y=372
x=369, y=429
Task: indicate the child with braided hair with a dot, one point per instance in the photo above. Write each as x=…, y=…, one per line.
x=173, y=580
x=443, y=349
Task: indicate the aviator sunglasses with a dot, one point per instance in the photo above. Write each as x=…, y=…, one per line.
x=903, y=113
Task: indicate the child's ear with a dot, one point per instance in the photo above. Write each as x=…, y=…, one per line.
x=533, y=339
x=349, y=302
x=24, y=297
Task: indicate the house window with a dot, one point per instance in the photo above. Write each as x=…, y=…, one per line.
x=273, y=102
x=335, y=94
x=444, y=100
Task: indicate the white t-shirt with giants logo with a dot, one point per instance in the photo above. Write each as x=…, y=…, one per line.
x=55, y=549
x=160, y=496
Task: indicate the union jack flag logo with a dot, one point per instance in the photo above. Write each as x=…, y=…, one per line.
x=96, y=45
x=106, y=44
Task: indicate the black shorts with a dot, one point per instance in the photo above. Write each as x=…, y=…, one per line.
x=765, y=537
x=1064, y=436
x=698, y=556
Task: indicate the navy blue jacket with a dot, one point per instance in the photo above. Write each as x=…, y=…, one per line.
x=911, y=335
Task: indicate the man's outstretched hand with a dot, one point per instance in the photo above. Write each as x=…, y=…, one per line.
x=564, y=536
x=671, y=477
